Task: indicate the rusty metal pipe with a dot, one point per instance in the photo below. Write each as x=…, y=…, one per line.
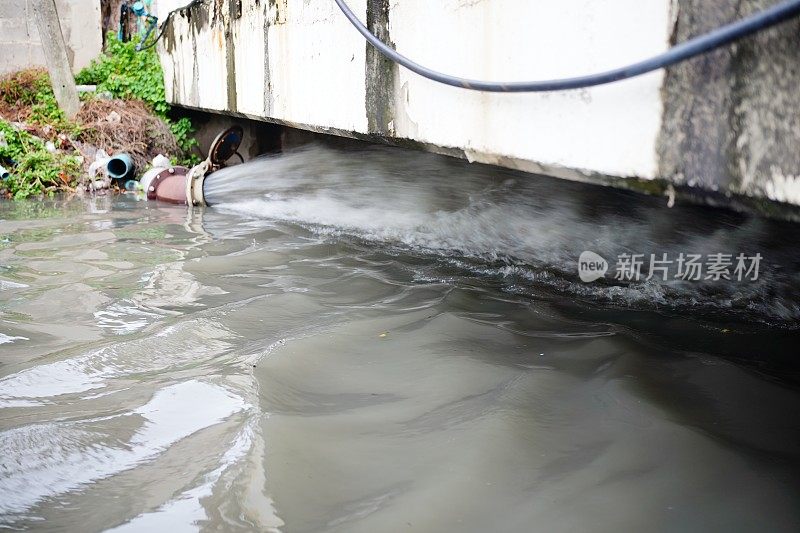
x=167, y=185
x=179, y=185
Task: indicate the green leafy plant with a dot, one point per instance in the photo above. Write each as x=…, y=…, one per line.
x=127, y=73
x=24, y=87
x=46, y=112
x=30, y=89
x=183, y=130
x=27, y=96
x=36, y=170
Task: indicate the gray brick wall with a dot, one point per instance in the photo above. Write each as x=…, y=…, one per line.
x=19, y=39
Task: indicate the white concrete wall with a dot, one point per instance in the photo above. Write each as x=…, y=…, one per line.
x=316, y=70
x=20, y=46
x=301, y=63
x=311, y=63
x=610, y=129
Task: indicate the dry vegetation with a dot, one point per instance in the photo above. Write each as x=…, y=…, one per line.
x=125, y=126
x=128, y=114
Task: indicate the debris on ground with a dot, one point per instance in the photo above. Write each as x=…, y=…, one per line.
x=44, y=152
x=32, y=168
x=125, y=126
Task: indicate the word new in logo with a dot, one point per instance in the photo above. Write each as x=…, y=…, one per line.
x=591, y=266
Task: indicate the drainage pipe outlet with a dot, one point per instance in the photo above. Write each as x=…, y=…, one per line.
x=120, y=167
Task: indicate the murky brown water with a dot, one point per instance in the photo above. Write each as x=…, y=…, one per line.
x=171, y=370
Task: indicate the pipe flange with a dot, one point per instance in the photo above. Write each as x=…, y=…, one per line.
x=154, y=185
x=194, y=183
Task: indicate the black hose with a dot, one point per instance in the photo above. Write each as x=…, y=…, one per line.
x=152, y=22
x=140, y=47
x=699, y=45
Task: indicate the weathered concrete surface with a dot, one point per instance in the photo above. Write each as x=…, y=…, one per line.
x=732, y=118
x=723, y=127
x=54, y=49
x=19, y=39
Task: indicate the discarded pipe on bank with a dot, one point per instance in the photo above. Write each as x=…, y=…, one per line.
x=120, y=166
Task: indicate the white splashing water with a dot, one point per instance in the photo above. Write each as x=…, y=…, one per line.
x=534, y=226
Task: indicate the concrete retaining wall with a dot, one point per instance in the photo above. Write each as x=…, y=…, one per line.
x=20, y=46
x=725, y=126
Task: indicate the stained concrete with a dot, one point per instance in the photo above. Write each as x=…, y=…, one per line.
x=720, y=129
x=732, y=118
x=380, y=72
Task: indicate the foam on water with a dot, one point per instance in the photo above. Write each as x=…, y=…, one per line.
x=516, y=225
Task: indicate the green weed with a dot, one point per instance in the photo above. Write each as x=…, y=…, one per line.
x=36, y=170
x=126, y=73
